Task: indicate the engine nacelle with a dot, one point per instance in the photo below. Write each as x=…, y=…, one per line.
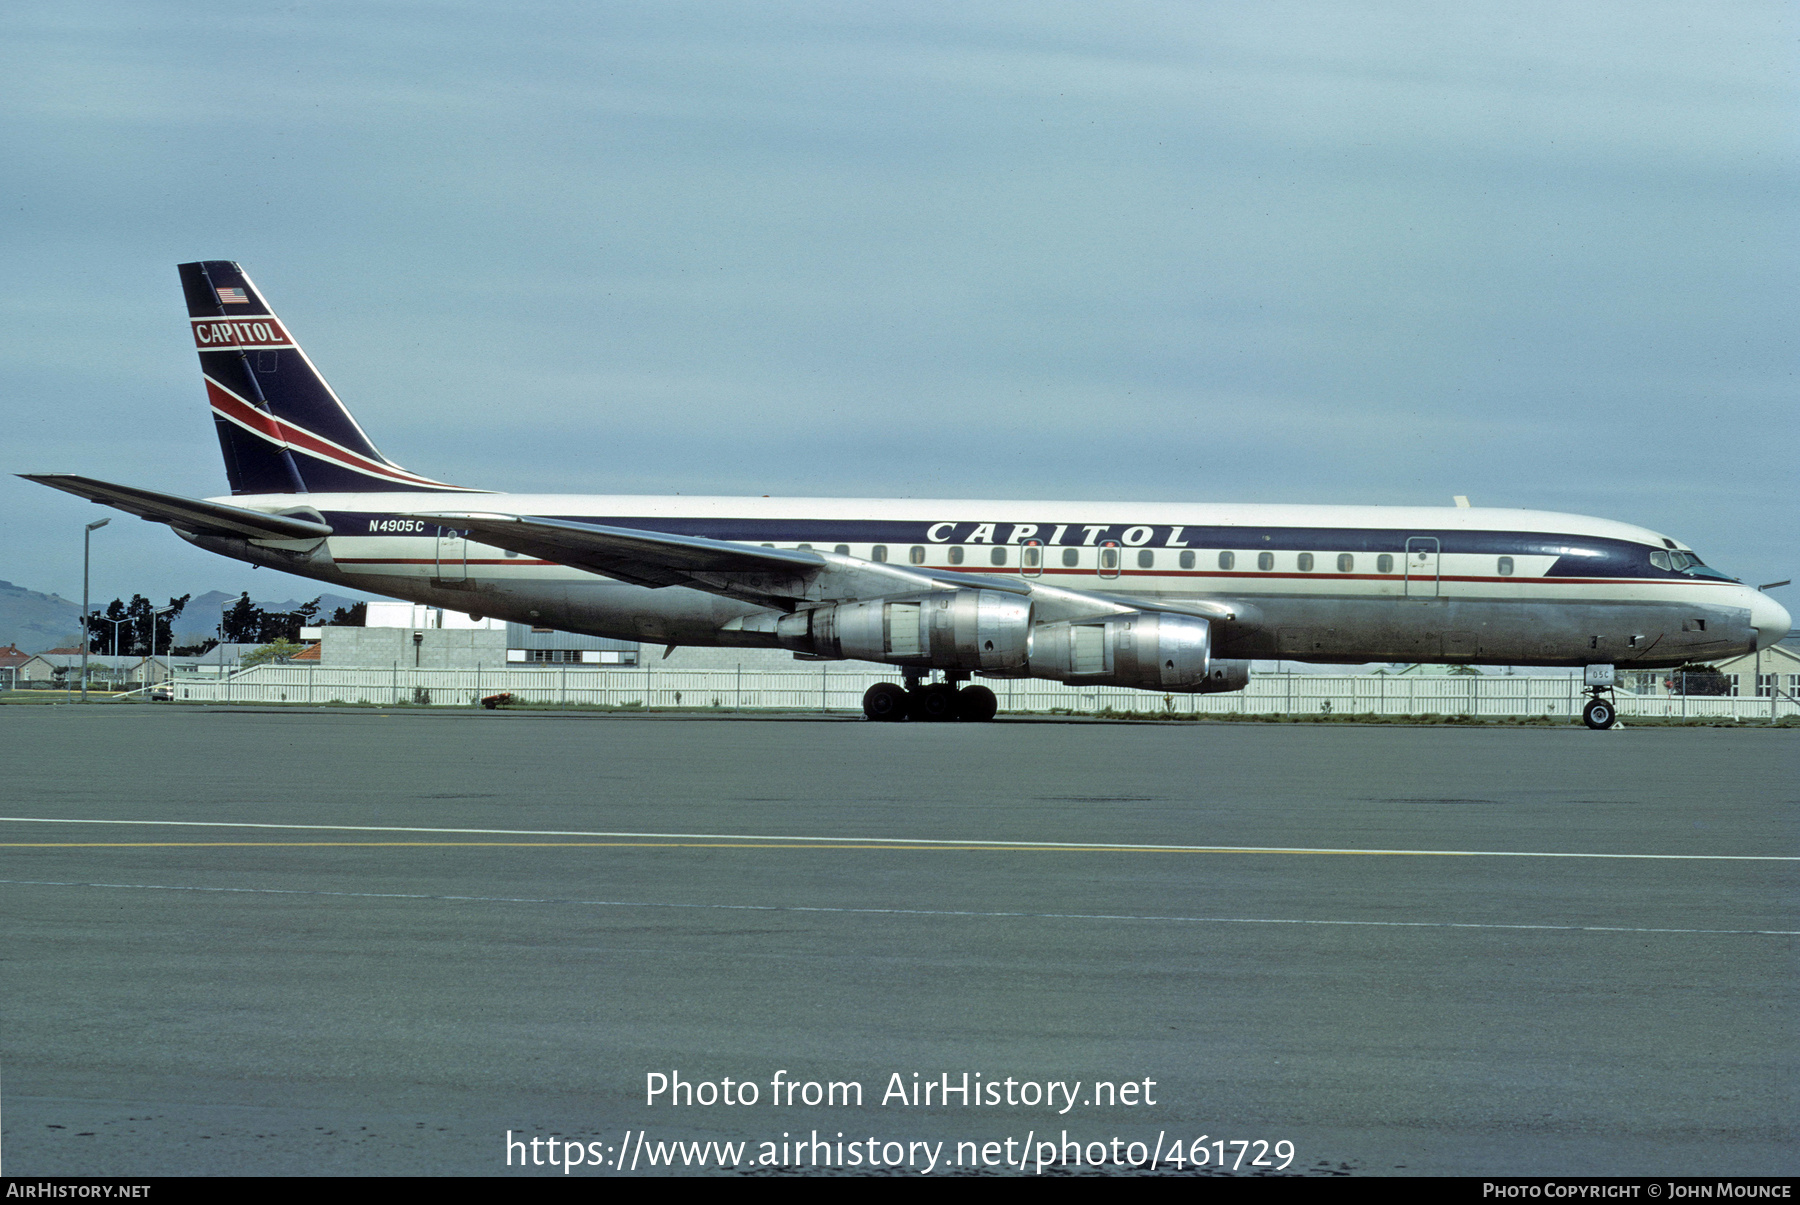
x=1143, y=650
x=944, y=629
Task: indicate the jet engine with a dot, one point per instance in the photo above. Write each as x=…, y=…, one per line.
x=948, y=629
x=1143, y=650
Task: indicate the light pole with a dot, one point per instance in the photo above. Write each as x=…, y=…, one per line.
x=115, y=636
x=115, y=639
x=169, y=665
x=86, y=538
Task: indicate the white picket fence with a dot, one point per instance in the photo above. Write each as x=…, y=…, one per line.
x=829, y=689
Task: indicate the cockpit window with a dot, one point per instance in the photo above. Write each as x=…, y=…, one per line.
x=1687, y=563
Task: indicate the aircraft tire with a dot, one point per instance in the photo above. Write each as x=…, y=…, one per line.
x=976, y=704
x=1599, y=714
x=934, y=703
x=885, y=701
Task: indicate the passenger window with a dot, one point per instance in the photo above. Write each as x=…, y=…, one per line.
x=1265, y=560
x=1346, y=563
x=1384, y=563
x=803, y=546
x=1305, y=562
x=917, y=555
x=842, y=550
x=878, y=553
x=1506, y=566
x=1031, y=559
x=1071, y=556
x=956, y=554
x=998, y=556
x=1226, y=559
x=1187, y=560
x=1146, y=559
x=1108, y=564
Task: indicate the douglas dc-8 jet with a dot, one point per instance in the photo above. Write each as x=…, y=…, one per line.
x=1162, y=597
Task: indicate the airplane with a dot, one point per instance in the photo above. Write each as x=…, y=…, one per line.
x=1163, y=597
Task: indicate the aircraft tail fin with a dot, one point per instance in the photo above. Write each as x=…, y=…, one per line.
x=281, y=428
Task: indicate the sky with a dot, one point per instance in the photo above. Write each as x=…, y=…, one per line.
x=1542, y=255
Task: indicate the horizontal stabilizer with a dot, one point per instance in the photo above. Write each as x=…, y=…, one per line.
x=189, y=514
x=645, y=558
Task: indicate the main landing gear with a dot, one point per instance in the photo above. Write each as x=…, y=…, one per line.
x=939, y=701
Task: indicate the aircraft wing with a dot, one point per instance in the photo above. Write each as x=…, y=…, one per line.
x=784, y=576
x=1229, y=610
x=189, y=514
x=644, y=558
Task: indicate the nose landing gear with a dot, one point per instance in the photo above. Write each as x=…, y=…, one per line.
x=1601, y=711
x=930, y=703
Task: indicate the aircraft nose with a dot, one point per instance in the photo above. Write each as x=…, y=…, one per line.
x=1770, y=619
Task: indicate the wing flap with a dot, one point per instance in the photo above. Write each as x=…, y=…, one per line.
x=190, y=514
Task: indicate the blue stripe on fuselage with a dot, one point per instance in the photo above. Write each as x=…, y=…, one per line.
x=1583, y=556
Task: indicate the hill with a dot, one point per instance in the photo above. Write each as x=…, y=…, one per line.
x=36, y=622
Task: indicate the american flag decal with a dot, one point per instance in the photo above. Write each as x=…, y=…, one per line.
x=232, y=297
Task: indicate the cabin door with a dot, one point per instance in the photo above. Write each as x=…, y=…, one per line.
x=452, y=556
x=1422, y=567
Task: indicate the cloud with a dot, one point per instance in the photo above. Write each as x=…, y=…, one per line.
x=1311, y=252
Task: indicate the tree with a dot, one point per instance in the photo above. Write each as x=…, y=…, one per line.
x=165, y=626
x=277, y=650
x=286, y=625
x=138, y=627
x=105, y=636
x=246, y=623
x=242, y=621
x=350, y=617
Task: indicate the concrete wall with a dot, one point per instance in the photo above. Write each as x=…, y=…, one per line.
x=439, y=648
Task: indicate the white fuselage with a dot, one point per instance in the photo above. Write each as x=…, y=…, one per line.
x=1326, y=583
